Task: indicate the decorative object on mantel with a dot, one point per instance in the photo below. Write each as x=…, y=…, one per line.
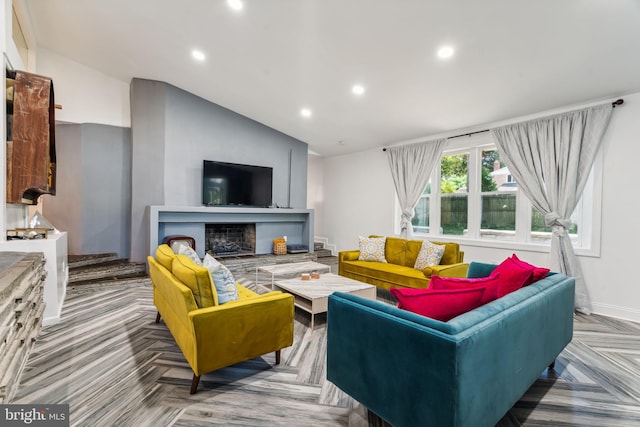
x=39, y=228
x=297, y=249
x=39, y=221
x=280, y=246
x=27, y=233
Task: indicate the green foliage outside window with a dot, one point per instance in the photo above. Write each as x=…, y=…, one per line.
x=488, y=159
x=453, y=165
x=453, y=173
x=454, y=186
x=488, y=184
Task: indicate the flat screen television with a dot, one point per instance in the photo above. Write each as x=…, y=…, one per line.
x=232, y=184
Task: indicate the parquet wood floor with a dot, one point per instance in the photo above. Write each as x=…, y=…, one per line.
x=115, y=367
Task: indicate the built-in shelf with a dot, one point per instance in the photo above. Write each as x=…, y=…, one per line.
x=271, y=223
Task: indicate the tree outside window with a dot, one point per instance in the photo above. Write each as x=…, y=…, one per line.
x=498, y=198
x=454, y=200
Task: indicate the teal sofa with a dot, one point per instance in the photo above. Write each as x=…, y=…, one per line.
x=414, y=371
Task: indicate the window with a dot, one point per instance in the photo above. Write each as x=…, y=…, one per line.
x=479, y=199
x=454, y=199
x=420, y=218
x=498, y=195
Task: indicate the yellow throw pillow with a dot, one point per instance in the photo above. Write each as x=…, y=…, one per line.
x=430, y=255
x=372, y=248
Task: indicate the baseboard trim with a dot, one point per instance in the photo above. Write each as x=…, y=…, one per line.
x=52, y=320
x=617, y=312
x=48, y=321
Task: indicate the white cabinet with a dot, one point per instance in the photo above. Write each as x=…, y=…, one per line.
x=54, y=249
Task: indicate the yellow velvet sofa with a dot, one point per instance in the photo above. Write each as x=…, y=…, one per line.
x=211, y=335
x=398, y=271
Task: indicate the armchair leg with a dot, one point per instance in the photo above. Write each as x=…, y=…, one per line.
x=277, y=357
x=158, y=317
x=194, y=384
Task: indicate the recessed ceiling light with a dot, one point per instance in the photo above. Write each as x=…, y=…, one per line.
x=236, y=5
x=357, y=89
x=305, y=112
x=445, y=52
x=198, y=55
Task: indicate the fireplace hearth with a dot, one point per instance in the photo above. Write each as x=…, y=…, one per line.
x=230, y=239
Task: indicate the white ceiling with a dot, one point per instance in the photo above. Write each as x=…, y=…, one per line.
x=513, y=57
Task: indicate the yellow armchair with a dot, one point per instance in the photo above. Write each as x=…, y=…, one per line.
x=216, y=336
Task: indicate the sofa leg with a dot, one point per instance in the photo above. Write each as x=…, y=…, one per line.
x=158, y=317
x=194, y=384
x=552, y=365
x=277, y=357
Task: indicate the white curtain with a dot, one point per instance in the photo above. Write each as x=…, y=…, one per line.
x=550, y=159
x=411, y=167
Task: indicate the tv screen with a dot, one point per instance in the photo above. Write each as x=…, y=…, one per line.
x=231, y=184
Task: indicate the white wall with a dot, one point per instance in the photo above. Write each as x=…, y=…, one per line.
x=611, y=278
x=315, y=191
x=359, y=199
x=86, y=95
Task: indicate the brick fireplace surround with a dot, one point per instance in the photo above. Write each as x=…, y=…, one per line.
x=230, y=239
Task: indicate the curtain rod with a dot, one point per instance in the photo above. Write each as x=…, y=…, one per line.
x=613, y=104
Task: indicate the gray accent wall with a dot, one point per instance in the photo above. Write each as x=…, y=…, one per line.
x=174, y=131
x=64, y=210
x=93, y=188
x=148, y=105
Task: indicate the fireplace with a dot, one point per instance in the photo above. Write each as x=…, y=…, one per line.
x=230, y=239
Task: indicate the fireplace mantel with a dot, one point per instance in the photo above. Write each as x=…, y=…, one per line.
x=271, y=223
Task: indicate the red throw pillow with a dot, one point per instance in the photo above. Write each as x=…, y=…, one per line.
x=440, y=305
x=513, y=276
x=491, y=284
x=539, y=273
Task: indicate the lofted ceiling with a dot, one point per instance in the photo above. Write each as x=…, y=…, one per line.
x=275, y=57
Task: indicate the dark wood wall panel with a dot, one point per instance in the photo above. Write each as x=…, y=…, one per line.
x=31, y=152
